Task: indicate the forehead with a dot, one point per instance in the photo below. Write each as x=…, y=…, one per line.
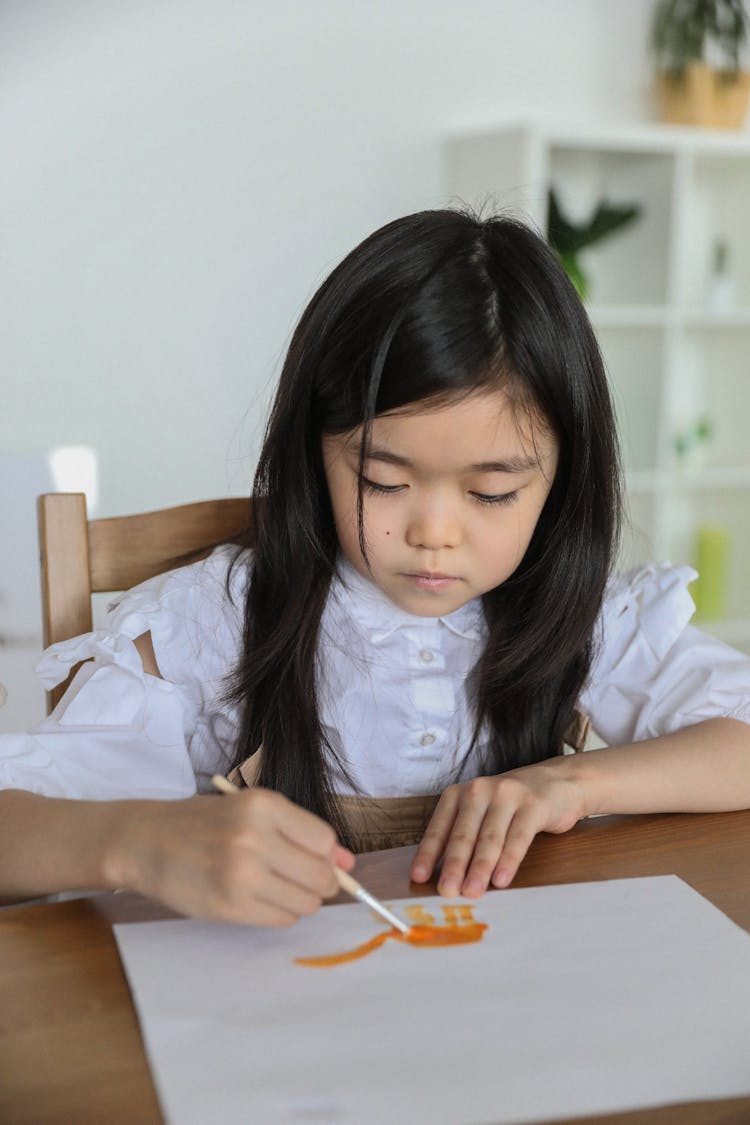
x=483, y=426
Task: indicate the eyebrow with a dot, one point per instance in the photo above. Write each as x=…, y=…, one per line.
x=515, y=464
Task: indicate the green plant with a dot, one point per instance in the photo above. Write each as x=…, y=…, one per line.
x=696, y=436
x=569, y=239
x=688, y=31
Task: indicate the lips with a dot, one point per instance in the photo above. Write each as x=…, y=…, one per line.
x=431, y=580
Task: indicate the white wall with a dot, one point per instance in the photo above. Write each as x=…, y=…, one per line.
x=178, y=175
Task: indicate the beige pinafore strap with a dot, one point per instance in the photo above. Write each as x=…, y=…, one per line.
x=578, y=731
x=374, y=823
x=245, y=775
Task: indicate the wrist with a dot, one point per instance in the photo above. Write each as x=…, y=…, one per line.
x=581, y=772
x=603, y=774
x=119, y=868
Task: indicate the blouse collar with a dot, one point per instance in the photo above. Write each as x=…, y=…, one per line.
x=378, y=617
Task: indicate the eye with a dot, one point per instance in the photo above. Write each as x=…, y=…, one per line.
x=501, y=498
x=373, y=486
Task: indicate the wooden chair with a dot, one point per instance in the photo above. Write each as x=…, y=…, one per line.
x=80, y=557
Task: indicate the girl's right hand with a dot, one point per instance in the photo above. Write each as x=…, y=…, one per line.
x=254, y=857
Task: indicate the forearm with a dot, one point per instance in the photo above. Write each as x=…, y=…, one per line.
x=50, y=844
x=256, y=858
x=703, y=768
x=482, y=829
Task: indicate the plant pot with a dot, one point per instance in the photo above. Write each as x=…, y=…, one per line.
x=703, y=96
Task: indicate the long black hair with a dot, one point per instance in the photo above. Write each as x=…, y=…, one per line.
x=432, y=306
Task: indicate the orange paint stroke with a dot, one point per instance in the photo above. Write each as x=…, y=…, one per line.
x=427, y=936
x=418, y=916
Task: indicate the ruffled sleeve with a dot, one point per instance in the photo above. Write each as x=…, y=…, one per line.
x=119, y=732
x=653, y=672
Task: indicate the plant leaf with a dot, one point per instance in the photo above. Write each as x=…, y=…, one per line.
x=567, y=237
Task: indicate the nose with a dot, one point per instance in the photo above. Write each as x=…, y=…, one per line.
x=434, y=525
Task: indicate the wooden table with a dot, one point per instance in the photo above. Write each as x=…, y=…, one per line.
x=70, y=1048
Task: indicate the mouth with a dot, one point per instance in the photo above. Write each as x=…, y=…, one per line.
x=430, y=580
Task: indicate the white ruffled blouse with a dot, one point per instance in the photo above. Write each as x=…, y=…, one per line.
x=391, y=686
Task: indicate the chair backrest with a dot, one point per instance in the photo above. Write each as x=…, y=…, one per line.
x=80, y=557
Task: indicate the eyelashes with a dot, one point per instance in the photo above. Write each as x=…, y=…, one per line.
x=381, y=489
x=500, y=499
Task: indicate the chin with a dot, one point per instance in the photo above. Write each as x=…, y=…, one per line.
x=428, y=604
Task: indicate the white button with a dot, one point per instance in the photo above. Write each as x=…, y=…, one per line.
x=427, y=739
x=426, y=656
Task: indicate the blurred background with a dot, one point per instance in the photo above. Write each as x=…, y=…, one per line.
x=178, y=176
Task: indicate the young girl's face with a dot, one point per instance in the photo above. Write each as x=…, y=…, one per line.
x=451, y=498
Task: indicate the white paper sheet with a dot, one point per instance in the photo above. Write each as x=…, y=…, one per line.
x=585, y=998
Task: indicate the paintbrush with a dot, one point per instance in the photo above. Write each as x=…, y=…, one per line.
x=346, y=882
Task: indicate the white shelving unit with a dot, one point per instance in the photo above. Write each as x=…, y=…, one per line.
x=677, y=350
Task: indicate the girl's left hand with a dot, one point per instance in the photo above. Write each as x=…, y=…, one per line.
x=483, y=828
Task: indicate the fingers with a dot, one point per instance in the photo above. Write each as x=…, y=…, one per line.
x=476, y=870
x=248, y=890
x=278, y=896
x=523, y=828
x=295, y=852
x=284, y=876
x=308, y=834
x=483, y=830
x=257, y=895
x=436, y=836
x=254, y=857
x=343, y=858
x=470, y=840
x=303, y=829
x=263, y=914
x=300, y=868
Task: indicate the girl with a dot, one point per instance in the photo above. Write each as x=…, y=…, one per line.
x=425, y=616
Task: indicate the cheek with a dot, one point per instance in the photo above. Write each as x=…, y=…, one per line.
x=527, y=526
x=349, y=537
x=345, y=517
x=511, y=542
